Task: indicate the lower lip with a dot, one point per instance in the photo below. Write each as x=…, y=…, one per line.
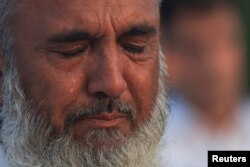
x=102, y=123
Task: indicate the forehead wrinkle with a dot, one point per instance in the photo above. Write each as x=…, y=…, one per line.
x=124, y=19
x=145, y=8
x=58, y=17
x=95, y=20
x=121, y=19
x=60, y=8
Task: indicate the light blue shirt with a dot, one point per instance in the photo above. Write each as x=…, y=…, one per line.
x=187, y=143
x=3, y=159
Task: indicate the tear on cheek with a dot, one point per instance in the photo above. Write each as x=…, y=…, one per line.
x=71, y=90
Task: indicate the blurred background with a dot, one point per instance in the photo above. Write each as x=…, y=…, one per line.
x=207, y=49
x=246, y=19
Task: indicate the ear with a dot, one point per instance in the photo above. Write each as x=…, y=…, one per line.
x=1, y=74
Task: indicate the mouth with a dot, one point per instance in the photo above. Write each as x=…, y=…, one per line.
x=106, y=119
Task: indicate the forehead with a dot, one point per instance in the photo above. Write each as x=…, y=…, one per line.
x=95, y=15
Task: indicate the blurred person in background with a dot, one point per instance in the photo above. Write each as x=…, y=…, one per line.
x=205, y=53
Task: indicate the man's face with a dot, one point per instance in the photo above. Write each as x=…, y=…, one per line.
x=74, y=54
x=206, y=51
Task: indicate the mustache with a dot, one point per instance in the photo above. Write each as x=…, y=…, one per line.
x=97, y=108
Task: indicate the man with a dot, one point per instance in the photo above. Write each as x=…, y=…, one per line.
x=83, y=83
x=204, y=44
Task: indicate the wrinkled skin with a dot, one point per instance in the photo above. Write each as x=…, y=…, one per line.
x=73, y=53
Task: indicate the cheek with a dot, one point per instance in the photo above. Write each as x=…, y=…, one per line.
x=64, y=93
x=51, y=91
x=143, y=86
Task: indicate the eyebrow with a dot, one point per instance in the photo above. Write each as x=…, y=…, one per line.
x=68, y=37
x=140, y=30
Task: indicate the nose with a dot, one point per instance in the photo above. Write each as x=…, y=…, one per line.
x=107, y=78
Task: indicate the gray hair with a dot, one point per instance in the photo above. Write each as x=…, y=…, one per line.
x=26, y=138
x=6, y=42
x=16, y=128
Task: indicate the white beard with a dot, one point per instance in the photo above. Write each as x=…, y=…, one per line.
x=26, y=137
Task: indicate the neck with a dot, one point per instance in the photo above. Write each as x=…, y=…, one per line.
x=219, y=118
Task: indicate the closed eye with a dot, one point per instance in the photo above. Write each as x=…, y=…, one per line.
x=73, y=52
x=133, y=49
